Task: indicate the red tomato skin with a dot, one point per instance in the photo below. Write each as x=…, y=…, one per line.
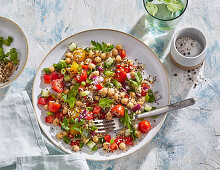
x=99, y=87
x=107, y=138
x=49, y=119
x=81, y=77
x=120, y=75
x=122, y=53
x=74, y=143
x=113, y=146
x=50, y=98
x=59, y=115
x=129, y=141
x=118, y=111
x=119, y=140
x=90, y=116
x=56, y=76
x=47, y=78
x=102, y=116
x=42, y=101
x=53, y=106
x=144, y=126
x=96, y=109
x=85, y=67
x=57, y=85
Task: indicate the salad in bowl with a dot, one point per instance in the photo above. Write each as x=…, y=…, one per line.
x=97, y=82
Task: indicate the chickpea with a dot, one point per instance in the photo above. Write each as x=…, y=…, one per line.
x=116, y=96
x=132, y=100
x=75, y=148
x=122, y=94
x=91, y=66
x=66, y=91
x=122, y=146
x=130, y=105
x=68, y=69
x=104, y=91
x=109, y=54
x=109, y=116
x=95, y=73
x=56, y=122
x=132, y=94
x=88, y=61
x=64, y=133
x=95, y=139
x=98, y=59
x=91, y=54
x=103, y=56
x=51, y=69
x=59, y=135
x=142, y=99
x=59, y=95
x=132, y=74
x=124, y=101
x=118, y=46
x=78, y=103
x=97, y=53
x=130, y=62
x=111, y=92
x=118, y=59
x=96, y=98
x=138, y=134
x=68, y=60
x=114, y=52
x=69, y=55
x=65, y=111
x=106, y=145
x=46, y=107
x=140, y=103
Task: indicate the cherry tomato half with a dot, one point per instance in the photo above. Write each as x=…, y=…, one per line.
x=144, y=126
x=107, y=138
x=42, y=101
x=90, y=116
x=58, y=86
x=113, y=146
x=119, y=140
x=74, y=143
x=54, y=106
x=129, y=141
x=96, y=109
x=56, y=76
x=47, y=78
x=81, y=76
x=49, y=119
x=99, y=87
x=118, y=110
x=120, y=75
x=122, y=53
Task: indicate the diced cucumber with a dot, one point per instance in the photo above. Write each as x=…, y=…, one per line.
x=109, y=62
x=84, y=93
x=91, y=144
x=67, y=78
x=116, y=83
x=45, y=93
x=109, y=73
x=147, y=108
x=72, y=46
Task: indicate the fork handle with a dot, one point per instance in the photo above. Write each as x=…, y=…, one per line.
x=168, y=108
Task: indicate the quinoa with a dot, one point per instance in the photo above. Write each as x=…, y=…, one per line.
x=6, y=70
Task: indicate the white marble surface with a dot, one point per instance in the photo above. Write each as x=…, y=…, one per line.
x=187, y=139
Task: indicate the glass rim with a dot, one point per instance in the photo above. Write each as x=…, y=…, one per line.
x=165, y=19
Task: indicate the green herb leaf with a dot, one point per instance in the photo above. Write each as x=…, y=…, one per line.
x=71, y=102
x=151, y=8
x=46, y=70
x=112, y=141
x=8, y=41
x=66, y=139
x=1, y=41
x=93, y=128
x=105, y=102
x=2, y=53
x=117, y=84
x=150, y=96
x=101, y=47
x=138, y=77
x=81, y=144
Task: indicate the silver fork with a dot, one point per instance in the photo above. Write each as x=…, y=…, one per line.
x=114, y=124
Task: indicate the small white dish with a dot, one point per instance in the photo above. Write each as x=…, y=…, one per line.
x=10, y=28
x=135, y=49
x=189, y=62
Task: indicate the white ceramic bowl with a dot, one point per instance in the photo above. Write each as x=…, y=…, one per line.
x=135, y=49
x=188, y=63
x=9, y=28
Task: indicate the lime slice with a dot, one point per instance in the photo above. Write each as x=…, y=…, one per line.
x=174, y=6
x=152, y=8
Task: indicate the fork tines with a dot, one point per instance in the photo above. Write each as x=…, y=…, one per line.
x=104, y=125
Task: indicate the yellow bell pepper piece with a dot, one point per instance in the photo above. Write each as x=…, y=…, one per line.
x=74, y=67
